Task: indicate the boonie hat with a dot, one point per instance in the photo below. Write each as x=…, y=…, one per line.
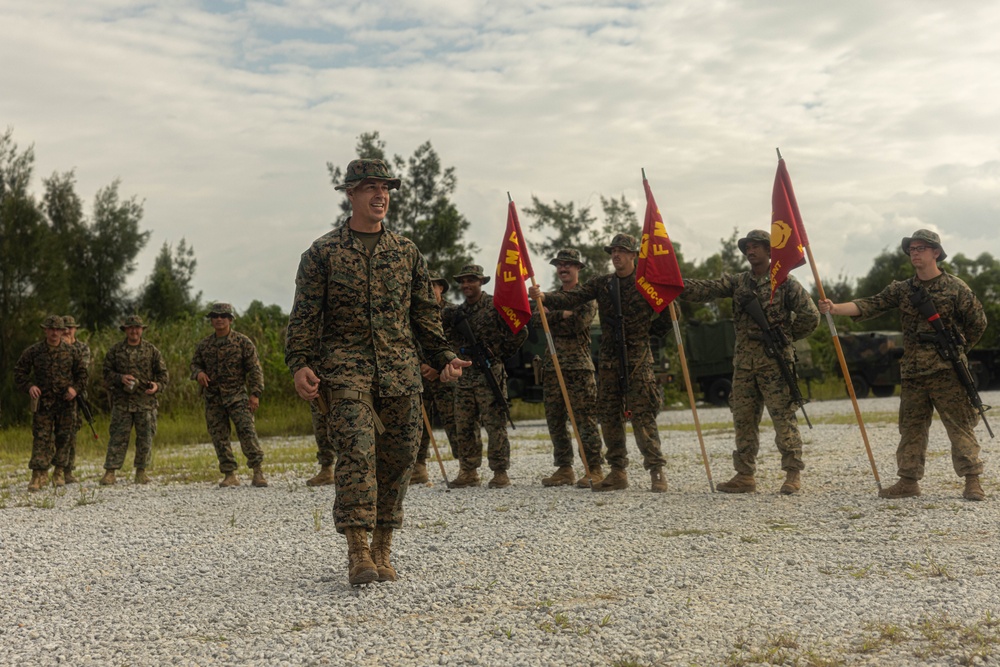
x=625, y=241
x=132, y=321
x=928, y=237
x=473, y=270
x=221, y=308
x=53, y=322
x=359, y=170
x=758, y=235
x=440, y=280
x=70, y=322
x=568, y=255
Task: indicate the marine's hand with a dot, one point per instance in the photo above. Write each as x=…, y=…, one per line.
x=453, y=370
x=825, y=306
x=254, y=403
x=153, y=388
x=128, y=379
x=34, y=392
x=203, y=379
x=428, y=373
x=535, y=292
x=306, y=384
x=70, y=394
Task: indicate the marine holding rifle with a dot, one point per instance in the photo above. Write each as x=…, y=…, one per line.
x=933, y=360
x=134, y=374
x=477, y=331
x=758, y=377
x=626, y=386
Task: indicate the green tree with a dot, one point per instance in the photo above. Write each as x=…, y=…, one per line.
x=166, y=295
x=982, y=275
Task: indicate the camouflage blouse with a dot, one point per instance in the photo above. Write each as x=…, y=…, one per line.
x=51, y=369
x=144, y=362
x=231, y=364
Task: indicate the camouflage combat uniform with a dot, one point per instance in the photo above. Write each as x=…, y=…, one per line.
x=369, y=312
x=83, y=350
x=53, y=370
x=644, y=393
x=928, y=381
x=757, y=379
x=132, y=408
x=235, y=375
x=571, y=336
x=326, y=455
x=475, y=404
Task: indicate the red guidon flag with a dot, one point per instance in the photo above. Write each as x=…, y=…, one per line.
x=510, y=295
x=658, y=276
x=787, y=235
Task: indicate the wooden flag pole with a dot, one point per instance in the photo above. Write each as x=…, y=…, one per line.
x=437, y=454
x=690, y=392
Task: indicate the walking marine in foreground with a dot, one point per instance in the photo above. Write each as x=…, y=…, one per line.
x=134, y=374
x=476, y=330
x=52, y=374
x=571, y=335
x=363, y=302
x=929, y=380
x=226, y=366
x=627, y=388
x=69, y=336
x=757, y=377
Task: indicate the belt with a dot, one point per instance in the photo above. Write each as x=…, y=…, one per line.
x=351, y=395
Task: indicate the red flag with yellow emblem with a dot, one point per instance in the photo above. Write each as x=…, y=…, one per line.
x=658, y=275
x=787, y=235
x=510, y=296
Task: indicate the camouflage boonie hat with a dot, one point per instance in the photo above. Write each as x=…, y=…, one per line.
x=568, y=255
x=132, y=321
x=625, y=241
x=928, y=237
x=758, y=235
x=53, y=322
x=473, y=270
x=359, y=170
x=221, y=308
x=440, y=280
x=70, y=322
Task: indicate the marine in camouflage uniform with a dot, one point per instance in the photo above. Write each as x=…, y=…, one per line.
x=570, y=331
x=362, y=304
x=326, y=455
x=52, y=373
x=644, y=393
x=69, y=335
x=757, y=379
x=475, y=402
x=226, y=366
x=134, y=374
x=929, y=382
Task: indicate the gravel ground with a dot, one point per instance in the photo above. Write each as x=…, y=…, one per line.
x=191, y=574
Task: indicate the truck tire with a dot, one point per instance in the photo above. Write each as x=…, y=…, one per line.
x=719, y=391
x=860, y=386
x=884, y=390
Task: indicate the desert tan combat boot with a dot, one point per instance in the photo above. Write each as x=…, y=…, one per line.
x=229, y=480
x=465, y=478
x=658, y=481
x=258, y=477
x=563, y=476
x=322, y=478
x=381, y=544
x=595, y=475
x=38, y=478
x=108, y=479
x=69, y=476
x=616, y=480
x=738, y=484
x=141, y=477
x=57, y=477
x=793, y=482
x=500, y=480
x=419, y=474
x=973, y=489
x=906, y=487
x=360, y=567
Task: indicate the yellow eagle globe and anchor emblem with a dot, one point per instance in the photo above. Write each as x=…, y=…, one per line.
x=780, y=233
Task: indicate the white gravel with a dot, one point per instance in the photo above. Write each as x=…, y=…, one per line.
x=190, y=574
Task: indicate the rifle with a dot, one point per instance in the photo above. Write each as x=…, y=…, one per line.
x=88, y=414
x=949, y=346
x=775, y=342
x=482, y=358
x=618, y=330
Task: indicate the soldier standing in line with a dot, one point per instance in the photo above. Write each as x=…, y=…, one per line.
x=134, y=373
x=69, y=335
x=757, y=379
x=475, y=402
x=571, y=335
x=226, y=366
x=644, y=394
x=928, y=380
x=362, y=304
x=52, y=373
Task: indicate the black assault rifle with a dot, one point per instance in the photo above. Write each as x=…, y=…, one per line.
x=775, y=343
x=482, y=357
x=949, y=346
x=619, y=332
x=88, y=414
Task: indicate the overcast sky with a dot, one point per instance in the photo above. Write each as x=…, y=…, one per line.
x=221, y=115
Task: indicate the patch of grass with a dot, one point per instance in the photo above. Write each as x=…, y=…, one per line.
x=749, y=539
x=684, y=531
x=87, y=497
x=780, y=524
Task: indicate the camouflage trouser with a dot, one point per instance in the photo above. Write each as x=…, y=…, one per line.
x=71, y=447
x=918, y=398
x=122, y=423
x=51, y=428
x=372, y=470
x=441, y=400
x=217, y=417
x=475, y=405
x=325, y=454
x=644, y=401
x=582, y=389
x=752, y=390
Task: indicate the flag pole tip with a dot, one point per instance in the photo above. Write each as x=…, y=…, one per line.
x=509, y=198
x=643, y=173
x=778, y=151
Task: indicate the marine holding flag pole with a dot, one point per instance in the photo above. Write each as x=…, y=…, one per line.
x=784, y=207
x=658, y=279
x=525, y=271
